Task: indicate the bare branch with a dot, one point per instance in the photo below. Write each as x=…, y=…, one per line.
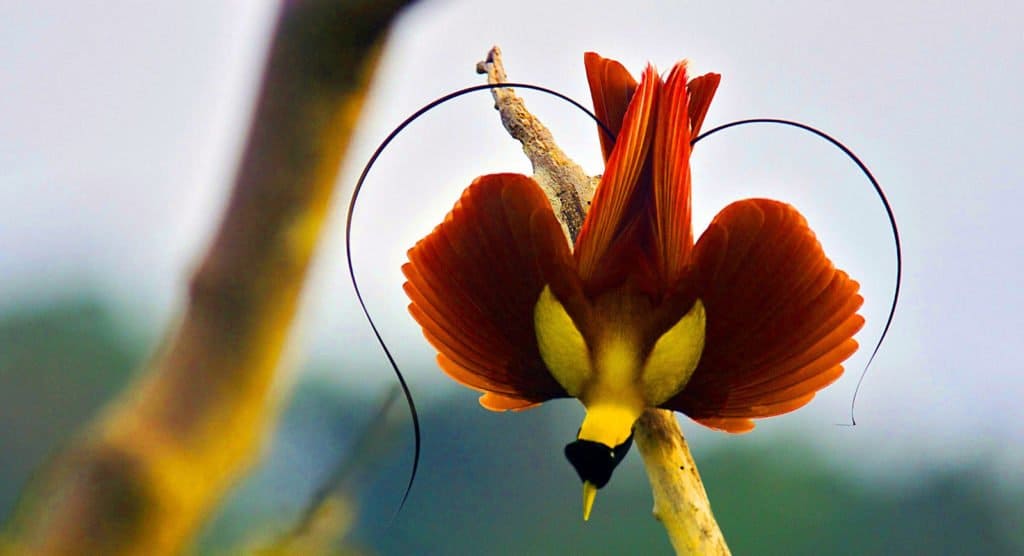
x=680, y=502
x=568, y=187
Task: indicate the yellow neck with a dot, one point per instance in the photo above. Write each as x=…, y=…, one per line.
x=614, y=399
x=609, y=423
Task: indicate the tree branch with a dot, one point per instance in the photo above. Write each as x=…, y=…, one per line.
x=680, y=502
x=150, y=470
x=568, y=187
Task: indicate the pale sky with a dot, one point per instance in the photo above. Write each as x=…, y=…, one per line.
x=120, y=123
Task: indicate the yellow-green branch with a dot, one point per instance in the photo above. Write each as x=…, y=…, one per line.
x=148, y=472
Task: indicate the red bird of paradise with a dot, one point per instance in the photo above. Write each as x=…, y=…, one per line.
x=748, y=322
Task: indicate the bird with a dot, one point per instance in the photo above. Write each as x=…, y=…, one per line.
x=748, y=321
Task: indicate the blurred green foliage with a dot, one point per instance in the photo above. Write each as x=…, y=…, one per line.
x=59, y=361
x=489, y=483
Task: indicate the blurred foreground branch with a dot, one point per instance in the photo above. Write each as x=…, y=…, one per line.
x=680, y=502
x=148, y=472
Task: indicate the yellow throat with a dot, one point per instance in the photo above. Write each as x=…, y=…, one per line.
x=614, y=379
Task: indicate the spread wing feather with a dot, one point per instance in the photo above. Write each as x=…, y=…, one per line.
x=611, y=87
x=474, y=282
x=614, y=207
x=780, y=317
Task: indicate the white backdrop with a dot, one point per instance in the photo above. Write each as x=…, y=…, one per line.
x=120, y=125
